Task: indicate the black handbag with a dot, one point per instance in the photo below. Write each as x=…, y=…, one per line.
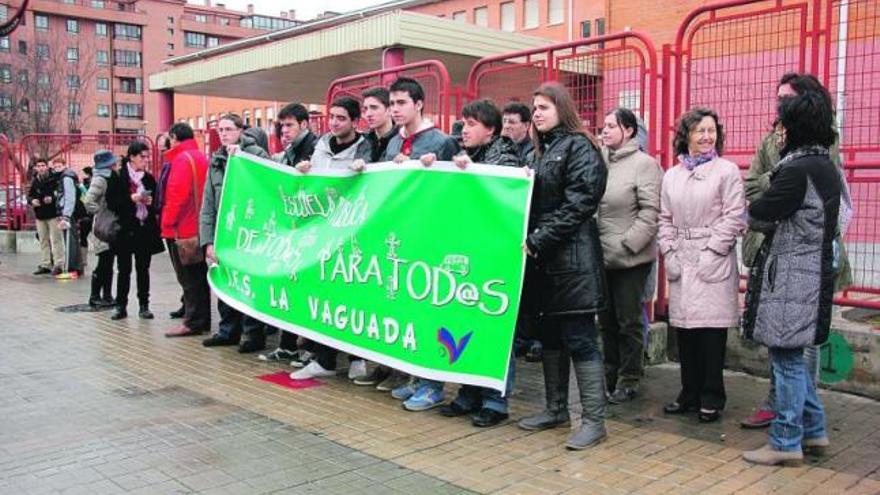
x=106, y=225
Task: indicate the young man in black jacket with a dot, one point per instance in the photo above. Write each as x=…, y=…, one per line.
x=293, y=121
x=42, y=197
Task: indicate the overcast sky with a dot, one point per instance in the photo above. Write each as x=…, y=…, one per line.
x=305, y=10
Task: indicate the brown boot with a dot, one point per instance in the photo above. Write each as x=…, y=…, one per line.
x=769, y=456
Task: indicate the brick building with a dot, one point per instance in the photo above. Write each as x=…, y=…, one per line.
x=82, y=65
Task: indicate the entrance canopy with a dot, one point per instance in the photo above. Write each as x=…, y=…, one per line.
x=299, y=63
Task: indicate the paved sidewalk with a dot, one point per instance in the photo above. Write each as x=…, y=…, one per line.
x=94, y=406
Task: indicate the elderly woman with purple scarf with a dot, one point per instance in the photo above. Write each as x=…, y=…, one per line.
x=131, y=198
x=702, y=212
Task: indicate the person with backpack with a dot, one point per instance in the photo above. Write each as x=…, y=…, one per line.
x=70, y=209
x=95, y=202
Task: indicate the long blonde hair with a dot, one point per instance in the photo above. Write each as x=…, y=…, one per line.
x=565, y=109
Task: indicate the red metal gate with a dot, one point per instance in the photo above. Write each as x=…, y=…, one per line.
x=441, y=103
x=602, y=73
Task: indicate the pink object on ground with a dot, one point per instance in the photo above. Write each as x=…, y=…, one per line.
x=283, y=378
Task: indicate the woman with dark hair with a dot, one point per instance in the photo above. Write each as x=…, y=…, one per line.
x=131, y=199
x=628, y=230
x=565, y=280
x=702, y=212
x=791, y=286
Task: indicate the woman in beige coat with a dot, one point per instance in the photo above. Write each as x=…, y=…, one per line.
x=702, y=212
x=628, y=230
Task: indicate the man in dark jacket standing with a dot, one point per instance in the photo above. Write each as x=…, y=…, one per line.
x=42, y=197
x=182, y=202
x=293, y=120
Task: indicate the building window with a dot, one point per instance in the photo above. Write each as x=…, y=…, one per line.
x=170, y=31
x=43, y=80
x=22, y=47
x=25, y=105
x=130, y=85
x=72, y=54
x=98, y=4
x=103, y=84
x=600, y=26
x=101, y=30
x=508, y=17
x=481, y=16
x=194, y=40
x=5, y=74
x=72, y=82
x=126, y=58
x=72, y=26
x=102, y=57
x=530, y=14
x=170, y=21
x=170, y=47
x=555, y=12
x=4, y=12
x=44, y=107
x=201, y=123
x=127, y=32
x=129, y=111
x=213, y=41
x=4, y=44
x=103, y=110
x=41, y=22
x=224, y=21
x=585, y=28
x=201, y=18
x=23, y=77
x=73, y=109
x=42, y=51
x=5, y=103
x=460, y=16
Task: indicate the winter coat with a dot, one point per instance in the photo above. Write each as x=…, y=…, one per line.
x=183, y=192
x=567, y=275
x=702, y=212
x=498, y=151
x=214, y=187
x=299, y=150
x=67, y=196
x=95, y=200
x=323, y=157
x=41, y=187
x=378, y=144
x=427, y=139
x=629, y=208
x=133, y=235
x=758, y=180
x=791, y=285
x=525, y=147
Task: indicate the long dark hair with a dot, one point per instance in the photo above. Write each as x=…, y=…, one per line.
x=565, y=109
x=808, y=120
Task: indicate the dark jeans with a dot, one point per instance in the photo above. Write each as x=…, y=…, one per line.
x=234, y=324
x=577, y=333
x=471, y=397
x=326, y=356
x=701, y=352
x=103, y=274
x=142, y=260
x=622, y=328
x=196, y=293
x=288, y=341
x=72, y=258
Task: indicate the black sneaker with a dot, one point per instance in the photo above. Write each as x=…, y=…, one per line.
x=119, y=314
x=177, y=313
x=301, y=358
x=42, y=271
x=278, y=354
x=216, y=341
x=488, y=417
x=249, y=346
x=453, y=410
x=377, y=376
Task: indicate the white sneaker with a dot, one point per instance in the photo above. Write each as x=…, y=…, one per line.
x=312, y=370
x=357, y=369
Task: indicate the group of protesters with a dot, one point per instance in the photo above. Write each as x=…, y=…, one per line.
x=601, y=210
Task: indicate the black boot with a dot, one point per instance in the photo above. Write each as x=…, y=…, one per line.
x=119, y=313
x=145, y=313
x=107, y=291
x=557, y=366
x=591, y=384
x=95, y=295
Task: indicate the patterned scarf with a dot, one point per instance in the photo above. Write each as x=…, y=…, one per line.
x=136, y=186
x=693, y=161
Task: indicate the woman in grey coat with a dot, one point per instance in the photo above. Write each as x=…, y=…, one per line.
x=95, y=202
x=791, y=285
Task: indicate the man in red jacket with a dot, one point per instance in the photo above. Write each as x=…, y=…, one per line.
x=180, y=224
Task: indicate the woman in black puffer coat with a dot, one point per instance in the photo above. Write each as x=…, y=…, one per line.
x=565, y=279
x=131, y=198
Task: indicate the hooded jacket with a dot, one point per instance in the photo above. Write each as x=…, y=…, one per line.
x=323, y=156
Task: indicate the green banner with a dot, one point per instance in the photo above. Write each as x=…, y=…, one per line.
x=417, y=268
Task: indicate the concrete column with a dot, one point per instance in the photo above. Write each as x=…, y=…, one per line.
x=166, y=110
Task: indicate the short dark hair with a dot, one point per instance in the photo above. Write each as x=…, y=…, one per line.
x=409, y=86
x=294, y=110
x=351, y=106
x=378, y=93
x=808, y=120
x=485, y=112
x=234, y=118
x=690, y=120
x=518, y=108
x=136, y=148
x=41, y=159
x=181, y=131
x=626, y=119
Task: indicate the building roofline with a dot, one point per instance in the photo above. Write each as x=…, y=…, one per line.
x=305, y=27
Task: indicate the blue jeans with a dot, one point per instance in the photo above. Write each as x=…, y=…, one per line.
x=471, y=398
x=799, y=414
x=811, y=358
x=234, y=323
